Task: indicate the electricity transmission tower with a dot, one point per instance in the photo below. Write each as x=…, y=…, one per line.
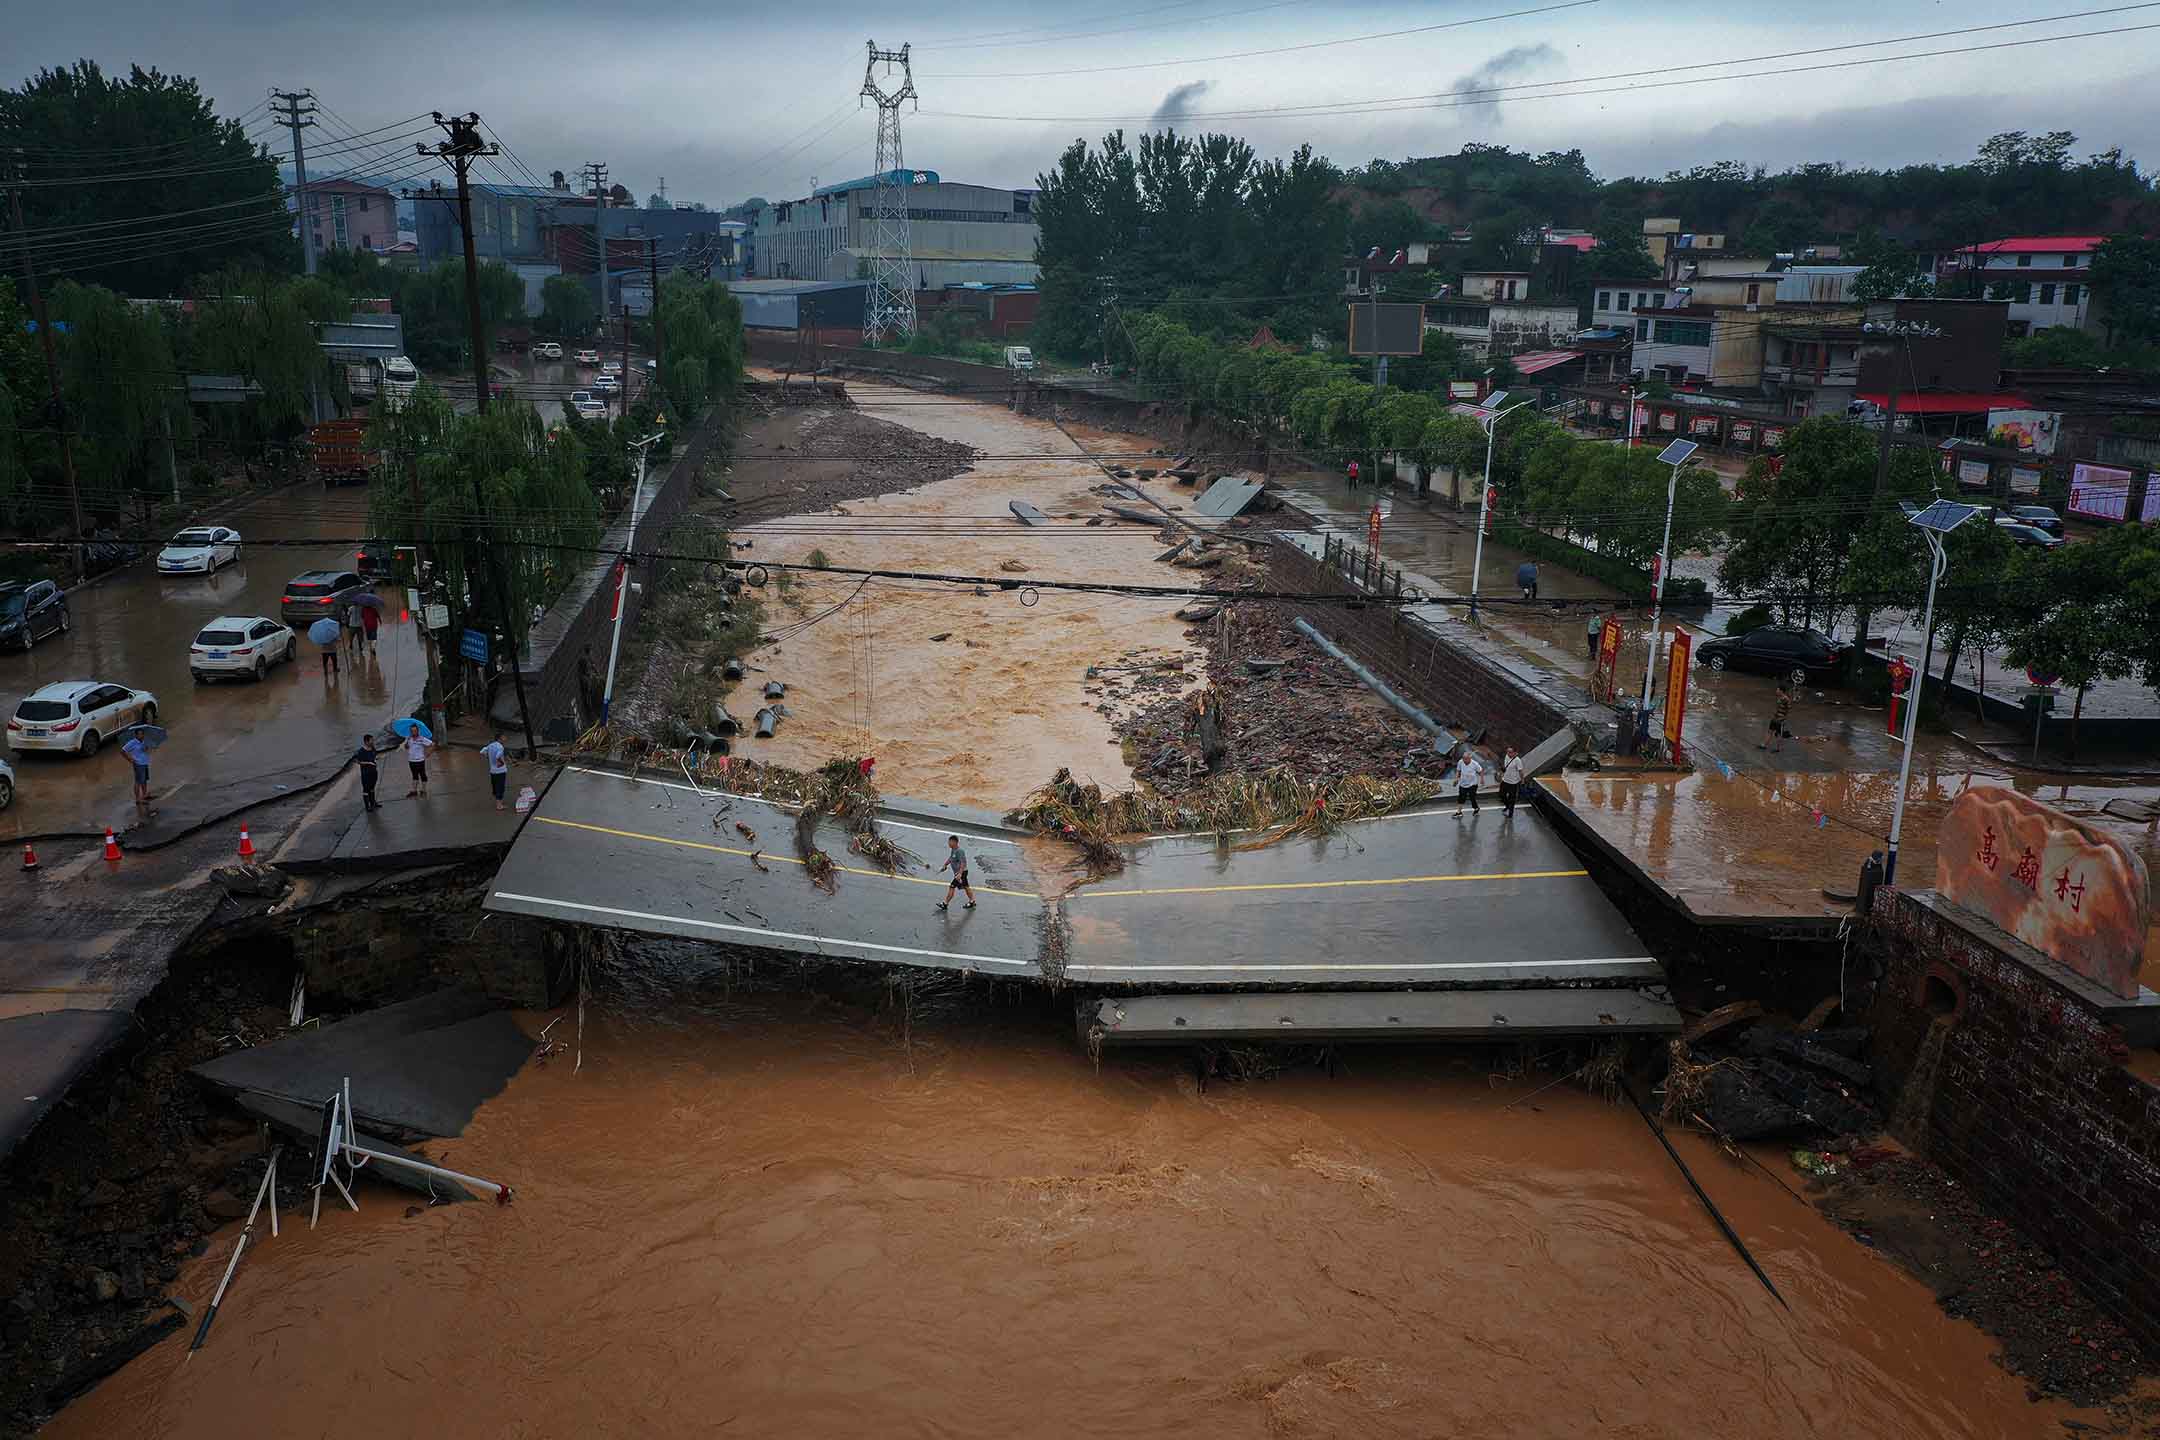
x=293, y=110
x=890, y=305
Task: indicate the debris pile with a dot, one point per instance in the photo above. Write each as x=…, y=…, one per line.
x=1743, y=1077
x=1282, y=703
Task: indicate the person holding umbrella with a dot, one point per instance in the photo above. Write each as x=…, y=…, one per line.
x=418, y=741
x=352, y=627
x=326, y=633
x=370, y=619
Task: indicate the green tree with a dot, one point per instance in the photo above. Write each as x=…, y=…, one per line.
x=106, y=160
x=2126, y=287
x=2085, y=627
x=262, y=328
x=704, y=343
x=567, y=307
x=124, y=395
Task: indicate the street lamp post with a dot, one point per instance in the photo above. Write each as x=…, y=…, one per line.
x=1676, y=455
x=1477, y=562
x=1935, y=521
x=622, y=577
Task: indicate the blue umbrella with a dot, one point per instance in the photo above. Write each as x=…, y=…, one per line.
x=325, y=631
x=406, y=728
x=151, y=736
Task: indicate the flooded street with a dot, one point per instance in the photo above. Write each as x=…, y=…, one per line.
x=133, y=627
x=780, y=1221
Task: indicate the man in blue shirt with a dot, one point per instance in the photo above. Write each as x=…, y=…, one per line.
x=498, y=767
x=139, y=756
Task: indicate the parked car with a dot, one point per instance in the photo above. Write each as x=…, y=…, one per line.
x=375, y=558
x=77, y=715
x=7, y=784
x=547, y=350
x=199, y=550
x=234, y=645
x=29, y=612
x=2031, y=535
x=317, y=593
x=585, y=407
x=588, y=357
x=1786, y=650
x=2040, y=517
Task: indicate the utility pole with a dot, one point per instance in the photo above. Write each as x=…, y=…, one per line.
x=659, y=335
x=622, y=391
x=461, y=149
x=293, y=111
x=890, y=307
x=1379, y=374
x=596, y=172
x=55, y=412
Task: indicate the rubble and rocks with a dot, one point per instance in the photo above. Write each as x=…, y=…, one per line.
x=1753, y=1078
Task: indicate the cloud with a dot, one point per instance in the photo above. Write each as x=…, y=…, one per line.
x=1507, y=63
x=1177, y=104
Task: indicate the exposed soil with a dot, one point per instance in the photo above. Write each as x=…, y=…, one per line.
x=1310, y=712
x=2058, y=1341
x=124, y=1180
x=800, y=460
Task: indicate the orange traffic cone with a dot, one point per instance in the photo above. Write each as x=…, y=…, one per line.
x=247, y=846
x=29, y=857
x=112, y=846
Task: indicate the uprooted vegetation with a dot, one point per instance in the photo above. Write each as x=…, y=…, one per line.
x=697, y=618
x=1270, y=805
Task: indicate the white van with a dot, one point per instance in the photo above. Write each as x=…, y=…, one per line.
x=400, y=377
x=1019, y=357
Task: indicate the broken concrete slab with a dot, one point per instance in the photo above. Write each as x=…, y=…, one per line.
x=420, y=1066
x=1027, y=514
x=1227, y=497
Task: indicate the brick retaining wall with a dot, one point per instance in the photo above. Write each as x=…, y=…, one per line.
x=2033, y=1107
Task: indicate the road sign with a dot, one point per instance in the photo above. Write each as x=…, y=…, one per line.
x=2040, y=677
x=437, y=617
x=473, y=646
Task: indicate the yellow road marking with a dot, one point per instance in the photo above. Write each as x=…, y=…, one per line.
x=1085, y=894
x=765, y=854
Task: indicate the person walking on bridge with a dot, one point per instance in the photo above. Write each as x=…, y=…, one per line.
x=417, y=745
x=1469, y=774
x=956, y=861
x=1510, y=782
x=366, y=758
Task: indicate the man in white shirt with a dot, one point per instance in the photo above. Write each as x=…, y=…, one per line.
x=1469, y=774
x=1510, y=781
x=416, y=747
x=498, y=767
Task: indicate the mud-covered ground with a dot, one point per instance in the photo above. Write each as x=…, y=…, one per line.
x=1308, y=711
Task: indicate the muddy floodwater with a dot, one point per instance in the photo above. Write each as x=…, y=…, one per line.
x=781, y=1220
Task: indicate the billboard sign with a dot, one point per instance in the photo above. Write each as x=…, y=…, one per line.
x=2024, y=480
x=1400, y=328
x=1676, y=678
x=2099, y=492
x=1974, y=474
x=1606, y=677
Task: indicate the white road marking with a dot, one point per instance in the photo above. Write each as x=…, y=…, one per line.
x=759, y=930
x=776, y=804
x=1436, y=965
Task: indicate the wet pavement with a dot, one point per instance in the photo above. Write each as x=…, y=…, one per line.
x=133, y=627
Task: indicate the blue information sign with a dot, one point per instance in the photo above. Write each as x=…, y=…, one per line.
x=473, y=646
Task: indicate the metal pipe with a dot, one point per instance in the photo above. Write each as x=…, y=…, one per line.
x=1375, y=683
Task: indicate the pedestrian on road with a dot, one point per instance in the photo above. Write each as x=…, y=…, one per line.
x=1596, y=631
x=1353, y=475
x=1510, y=781
x=1775, y=741
x=366, y=757
x=1469, y=773
x=369, y=623
x=330, y=658
x=139, y=756
x=1526, y=577
x=416, y=747
x=351, y=622
x=956, y=861
x=498, y=767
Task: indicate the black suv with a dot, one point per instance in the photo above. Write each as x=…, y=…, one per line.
x=1785, y=650
x=30, y=612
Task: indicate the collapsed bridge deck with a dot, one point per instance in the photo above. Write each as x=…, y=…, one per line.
x=1423, y=899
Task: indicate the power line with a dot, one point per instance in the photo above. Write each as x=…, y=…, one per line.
x=1276, y=50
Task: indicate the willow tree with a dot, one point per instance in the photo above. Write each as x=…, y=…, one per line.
x=263, y=329
x=126, y=396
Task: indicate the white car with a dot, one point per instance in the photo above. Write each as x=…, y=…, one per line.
x=611, y=367
x=77, y=715
x=547, y=350
x=240, y=645
x=199, y=550
x=606, y=384
x=585, y=407
x=588, y=357
x=7, y=784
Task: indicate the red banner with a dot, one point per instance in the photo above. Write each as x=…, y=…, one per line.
x=1372, y=529
x=1676, y=680
x=1606, y=676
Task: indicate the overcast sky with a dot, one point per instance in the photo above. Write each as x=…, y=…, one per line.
x=726, y=100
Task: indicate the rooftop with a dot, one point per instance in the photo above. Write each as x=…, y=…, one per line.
x=2038, y=244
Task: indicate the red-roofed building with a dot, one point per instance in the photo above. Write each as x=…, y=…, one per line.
x=2045, y=278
